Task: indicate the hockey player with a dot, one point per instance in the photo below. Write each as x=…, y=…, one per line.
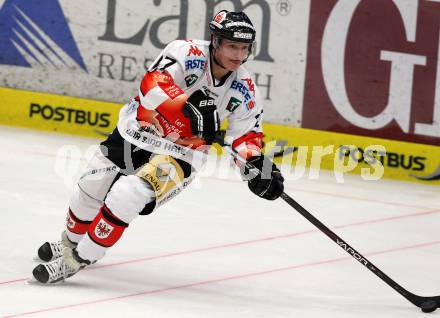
x=160, y=143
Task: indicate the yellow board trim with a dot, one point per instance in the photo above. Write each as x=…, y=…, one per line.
x=322, y=149
x=318, y=149
x=64, y=114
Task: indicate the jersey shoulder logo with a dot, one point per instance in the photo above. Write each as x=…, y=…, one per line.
x=250, y=84
x=233, y=104
x=195, y=51
x=36, y=33
x=195, y=63
x=246, y=91
x=191, y=79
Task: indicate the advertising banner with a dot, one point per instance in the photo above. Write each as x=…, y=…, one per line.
x=371, y=158
x=355, y=83
x=373, y=69
x=57, y=113
x=100, y=49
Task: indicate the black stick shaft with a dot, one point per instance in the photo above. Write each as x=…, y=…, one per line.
x=349, y=249
x=414, y=299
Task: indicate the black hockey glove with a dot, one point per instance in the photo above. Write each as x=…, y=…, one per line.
x=203, y=115
x=268, y=185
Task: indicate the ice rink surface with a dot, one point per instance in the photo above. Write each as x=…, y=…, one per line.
x=217, y=250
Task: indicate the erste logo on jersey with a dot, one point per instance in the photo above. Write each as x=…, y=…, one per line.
x=196, y=59
x=195, y=63
x=245, y=90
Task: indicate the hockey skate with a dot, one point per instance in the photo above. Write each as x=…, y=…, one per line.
x=60, y=268
x=53, y=250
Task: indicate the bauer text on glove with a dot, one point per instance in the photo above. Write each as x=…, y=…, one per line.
x=203, y=115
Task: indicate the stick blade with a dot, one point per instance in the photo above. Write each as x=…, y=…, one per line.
x=429, y=306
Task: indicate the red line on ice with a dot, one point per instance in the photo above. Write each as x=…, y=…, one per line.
x=217, y=280
x=210, y=248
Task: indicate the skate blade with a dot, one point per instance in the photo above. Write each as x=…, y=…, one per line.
x=34, y=282
x=40, y=261
x=37, y=259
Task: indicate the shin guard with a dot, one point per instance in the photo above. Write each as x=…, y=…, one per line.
x=75, y=228
x=106, y=229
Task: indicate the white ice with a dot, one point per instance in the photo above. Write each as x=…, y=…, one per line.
x=217, y=250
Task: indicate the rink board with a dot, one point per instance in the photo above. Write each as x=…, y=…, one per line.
x=372, y=158
x=64, y=114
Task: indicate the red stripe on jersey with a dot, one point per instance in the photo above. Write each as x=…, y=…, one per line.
x=168, y=117
x=171, y=89
x=151, y=80
x=106, y=229
x=252, y=142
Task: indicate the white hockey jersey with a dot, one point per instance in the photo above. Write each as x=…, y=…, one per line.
x=183, y=67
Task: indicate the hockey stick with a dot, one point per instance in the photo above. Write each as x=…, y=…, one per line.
x=427, y=304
